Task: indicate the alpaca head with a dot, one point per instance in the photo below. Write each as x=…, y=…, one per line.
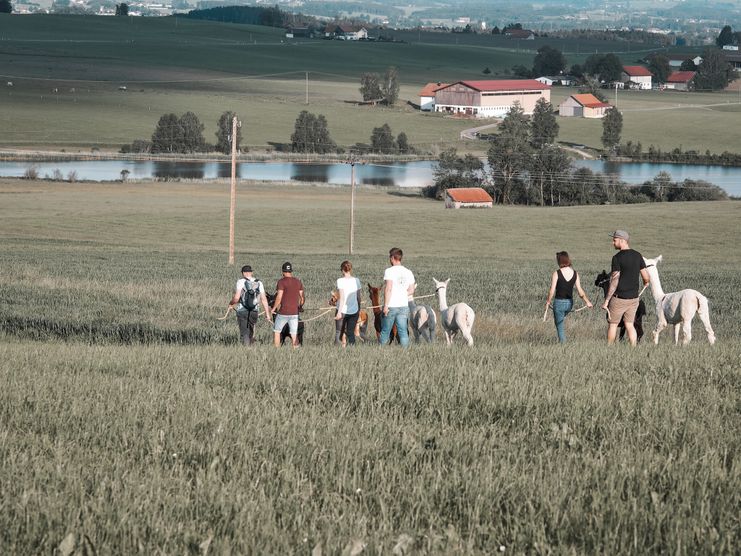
x=440, y=285
x=652, y=262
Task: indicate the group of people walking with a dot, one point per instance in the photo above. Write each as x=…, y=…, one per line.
x=621, y=300
x=622, y=297
x=250, y=295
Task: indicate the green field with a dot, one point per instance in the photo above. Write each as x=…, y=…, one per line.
x=132, y=421
x=66, y=71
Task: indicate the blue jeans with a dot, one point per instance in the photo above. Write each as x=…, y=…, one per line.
x=400, y=317
x=561, y=308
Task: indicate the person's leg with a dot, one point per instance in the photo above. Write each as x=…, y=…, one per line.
x=628, y=319
x=244, y=332
x=616, y=310
x=561, y=307
x=350, y=322
x=251, y=323
x=278, y=323
x=293, y=330
x=337, y=331
x=402, y=325
x=386, y=325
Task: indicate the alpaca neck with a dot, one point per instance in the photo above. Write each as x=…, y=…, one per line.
x=656, y=289
x=442, y=299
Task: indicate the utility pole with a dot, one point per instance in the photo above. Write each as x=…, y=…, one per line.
x=352, y=202
x=307, y=87
x=616, y=88
x=233, y=193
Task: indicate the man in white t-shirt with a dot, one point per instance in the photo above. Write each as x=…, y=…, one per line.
x=249, y=294
x=398, y=286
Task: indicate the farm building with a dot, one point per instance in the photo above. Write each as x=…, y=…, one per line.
x=490, y=99
x=467, y=197
x=637, y=77
x=676, y=61
x=427, y=96
x=565, y=80
x=524, y=34
x=733, y=57
x=583, y=106
x=680, y=80
x=346, y=32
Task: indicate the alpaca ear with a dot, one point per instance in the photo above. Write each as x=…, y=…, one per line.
x=659, y=258
x=446, y=281
x=435, y=280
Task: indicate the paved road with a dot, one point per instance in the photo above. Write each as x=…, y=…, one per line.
x=472, y=133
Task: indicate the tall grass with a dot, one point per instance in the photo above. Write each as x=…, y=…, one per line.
x=132, y=421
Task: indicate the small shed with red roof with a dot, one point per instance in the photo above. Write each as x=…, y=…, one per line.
x=427, y=96
x=467, y=197
x=637, y=77
x=583, y=106
x=680, y=80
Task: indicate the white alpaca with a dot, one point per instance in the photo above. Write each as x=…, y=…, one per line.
x=677, y=308
x=423, y=321
x=456, y=318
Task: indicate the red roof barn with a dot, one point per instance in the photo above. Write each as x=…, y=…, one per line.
x=467, y=197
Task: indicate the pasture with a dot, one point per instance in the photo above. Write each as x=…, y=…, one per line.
x=66, y=71
x=133, y=422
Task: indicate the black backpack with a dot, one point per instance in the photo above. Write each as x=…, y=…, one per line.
x=250, y=295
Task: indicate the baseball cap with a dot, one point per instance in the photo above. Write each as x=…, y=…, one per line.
x=246, y=268
x=287, y=267
x=620, y=234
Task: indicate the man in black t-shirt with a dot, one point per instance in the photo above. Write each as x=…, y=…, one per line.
x=622, y=297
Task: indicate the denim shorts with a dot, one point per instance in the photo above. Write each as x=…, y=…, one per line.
x=282, y=320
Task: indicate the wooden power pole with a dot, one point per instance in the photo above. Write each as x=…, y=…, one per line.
x=233, y=195
x=352, y=203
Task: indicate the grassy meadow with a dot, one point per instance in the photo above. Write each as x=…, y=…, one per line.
x=131, y=421
x=66, y=71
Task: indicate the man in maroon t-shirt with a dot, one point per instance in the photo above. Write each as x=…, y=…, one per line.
x=289, y=298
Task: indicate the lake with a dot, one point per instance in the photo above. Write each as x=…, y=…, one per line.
x=399, y=174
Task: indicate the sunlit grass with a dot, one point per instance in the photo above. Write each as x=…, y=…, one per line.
x=132, y=420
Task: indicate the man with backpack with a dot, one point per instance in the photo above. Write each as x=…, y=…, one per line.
x=249, y=293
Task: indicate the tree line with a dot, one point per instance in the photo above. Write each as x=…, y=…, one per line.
x=183, y=134
x=598, y=70
x=525, y=166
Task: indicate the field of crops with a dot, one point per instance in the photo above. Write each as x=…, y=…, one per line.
x=132, y=421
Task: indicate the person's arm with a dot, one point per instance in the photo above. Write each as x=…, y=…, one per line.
x=646, y=276
x=235, y=298
x=340, y=304
x=278, y=299
x=552, y=290
x=581, y=292
x=614, y=278
x=301, y=298
x=265, y=306
x=387, y=285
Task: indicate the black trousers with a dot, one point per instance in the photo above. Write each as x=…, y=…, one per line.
x=347, y=323
x=247, y=321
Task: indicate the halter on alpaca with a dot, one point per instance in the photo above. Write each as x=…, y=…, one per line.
x=677, y=308
x=456, y=318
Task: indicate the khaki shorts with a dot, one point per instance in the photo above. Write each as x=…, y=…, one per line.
x=620, y=308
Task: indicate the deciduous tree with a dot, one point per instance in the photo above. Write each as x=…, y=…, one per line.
x=612, y=127
x=382, y=140
x=122, y=9
x=509, y=153
x=658, y=64
x=370, y=87
x=548, y=61
x=390, y=85
x=168, y=134
x=725, y=37
x=192, y=139
x=544, y=127
x=714, y=73
x=5, y=7
x=224, y=133
x=311, y=134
